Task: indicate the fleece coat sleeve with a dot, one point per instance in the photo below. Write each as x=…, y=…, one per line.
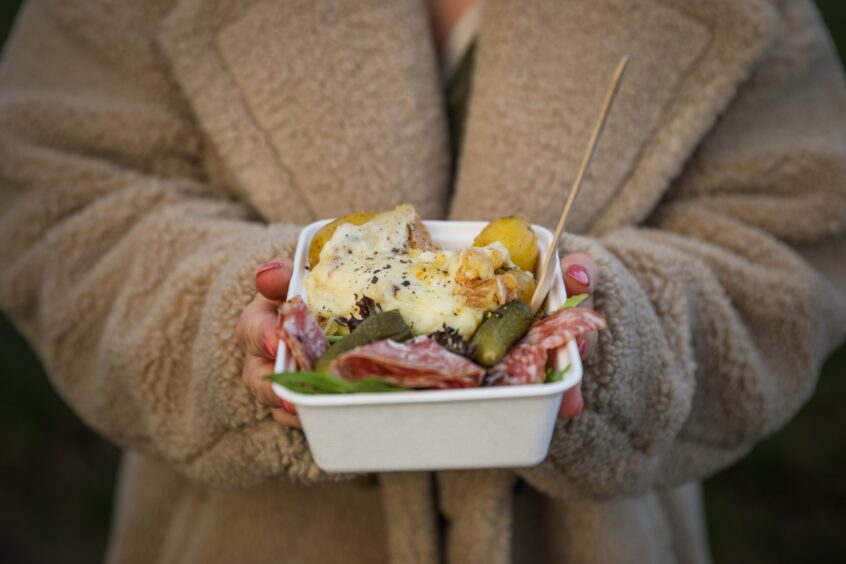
x=717, y=327
x=123, y=265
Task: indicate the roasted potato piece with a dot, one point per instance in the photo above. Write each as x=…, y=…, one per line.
x=517, y=236
x=321, y=237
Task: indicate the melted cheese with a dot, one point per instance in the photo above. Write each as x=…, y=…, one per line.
x=375, y=260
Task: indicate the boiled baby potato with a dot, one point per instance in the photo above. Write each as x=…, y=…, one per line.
x=321, y=237
x=517, y=236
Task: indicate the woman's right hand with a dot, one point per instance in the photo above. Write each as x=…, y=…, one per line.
x=256, y=333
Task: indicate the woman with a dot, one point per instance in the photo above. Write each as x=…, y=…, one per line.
x=154, y=155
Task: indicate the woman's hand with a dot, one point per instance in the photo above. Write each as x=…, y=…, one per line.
x=256, y=332
x=580, y=277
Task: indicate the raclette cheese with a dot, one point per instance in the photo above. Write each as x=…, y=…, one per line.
x=428, y=287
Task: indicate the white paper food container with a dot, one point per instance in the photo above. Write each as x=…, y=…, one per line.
x=495, y=427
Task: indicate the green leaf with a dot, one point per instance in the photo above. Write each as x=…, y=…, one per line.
x=323, y=383
x=574, y=301
x=334, y=338
x=556, y=375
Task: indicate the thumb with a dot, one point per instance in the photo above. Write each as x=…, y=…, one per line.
x=580, y=274
x=273, y=277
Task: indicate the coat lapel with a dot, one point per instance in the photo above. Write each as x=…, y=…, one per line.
x=542, y=71
x=313, y=109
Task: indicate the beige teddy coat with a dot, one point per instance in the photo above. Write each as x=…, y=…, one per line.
x=154, y=153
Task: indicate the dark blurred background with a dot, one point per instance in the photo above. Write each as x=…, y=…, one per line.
x=785, y=502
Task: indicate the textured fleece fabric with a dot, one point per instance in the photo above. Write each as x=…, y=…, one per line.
x=153, y=154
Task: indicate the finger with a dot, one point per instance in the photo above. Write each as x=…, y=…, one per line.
x=571, y=404
x=262, y=340
x=286, y=419
x=253, y=374
x=580, y=274
x=255, y=369
x=587, y=344
x=288, y=406
x=256, y=329
x=591, y=339
x=272, y=278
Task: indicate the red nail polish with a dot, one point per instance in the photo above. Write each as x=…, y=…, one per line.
x=582, y=346
x=578, y=273
x=288, y=407
x=268, y=349
x=269, y=266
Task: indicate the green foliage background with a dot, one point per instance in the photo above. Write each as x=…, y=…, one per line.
x=785, y=502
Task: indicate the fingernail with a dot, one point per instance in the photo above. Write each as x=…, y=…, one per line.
x=268, y=349
x=582, y=346
x=269, y=266
x=578, y=273
x=289, y=408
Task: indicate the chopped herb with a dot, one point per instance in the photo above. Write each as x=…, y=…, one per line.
x=556, y=375
x=574, y=301
x=451, y=339
x=366, y=308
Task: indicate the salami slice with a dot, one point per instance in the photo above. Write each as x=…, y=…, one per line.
x=418, y=363
x=300, y=331
x=563, y=326
x=525, y=363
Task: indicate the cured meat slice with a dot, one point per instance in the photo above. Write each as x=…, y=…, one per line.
x=563, y=326
x=525, y=363
x=300, y=331
x=418, y=363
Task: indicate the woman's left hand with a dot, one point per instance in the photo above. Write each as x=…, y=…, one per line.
x=580, y=277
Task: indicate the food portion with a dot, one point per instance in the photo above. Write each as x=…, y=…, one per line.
x=392, y=261
x=389, y=310
x=388, y=325
x=419, y=363
x=326, y=232
x=301, y=333
x=517, y=236
x=499, y=331
x=525, y=363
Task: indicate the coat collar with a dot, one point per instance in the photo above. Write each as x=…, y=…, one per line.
x=317, y=108
x=313, y=109
x=542, y=70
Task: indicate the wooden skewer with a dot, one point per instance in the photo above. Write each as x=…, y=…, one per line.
x=548, y=270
